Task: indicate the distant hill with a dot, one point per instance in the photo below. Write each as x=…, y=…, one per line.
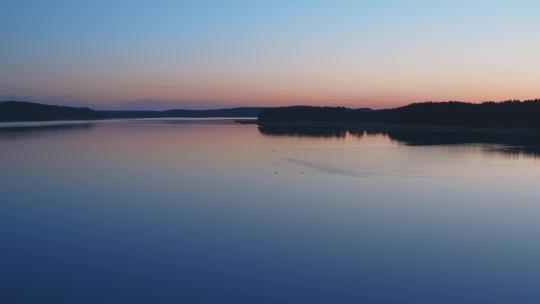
x=28, y=111
x=307, y=113
x=230, y=112
x=509, y=113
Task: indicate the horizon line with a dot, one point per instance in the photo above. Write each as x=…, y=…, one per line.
x=281, y=106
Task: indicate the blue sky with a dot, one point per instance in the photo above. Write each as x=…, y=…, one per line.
x=206, y=54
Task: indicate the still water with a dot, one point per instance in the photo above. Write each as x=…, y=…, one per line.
x=210, y=211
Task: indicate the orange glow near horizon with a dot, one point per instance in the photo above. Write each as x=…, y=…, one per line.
x=190, y=55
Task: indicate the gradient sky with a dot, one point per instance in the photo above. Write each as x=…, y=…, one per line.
x=208, y=54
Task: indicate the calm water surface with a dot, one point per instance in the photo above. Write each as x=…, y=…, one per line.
x=195, y=211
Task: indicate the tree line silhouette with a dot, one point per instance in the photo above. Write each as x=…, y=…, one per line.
x=29, y=111
x=512, y=113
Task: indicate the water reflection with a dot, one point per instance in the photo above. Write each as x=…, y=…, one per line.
x=505, y=141
x=146, y=211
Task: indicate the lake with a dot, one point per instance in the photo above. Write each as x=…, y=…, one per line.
x=211, y=211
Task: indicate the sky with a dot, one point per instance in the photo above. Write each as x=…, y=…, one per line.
x=211, y=54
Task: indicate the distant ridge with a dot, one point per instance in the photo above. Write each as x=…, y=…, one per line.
x=229, y=112
x=28, y=111
x=512, y=113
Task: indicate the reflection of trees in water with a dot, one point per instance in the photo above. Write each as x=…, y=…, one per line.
x=514, y=142
x=27, y=131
